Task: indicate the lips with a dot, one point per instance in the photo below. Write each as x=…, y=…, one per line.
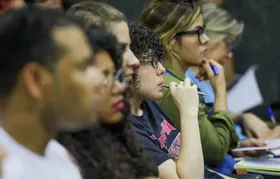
x=129, y=76
x=119, y=105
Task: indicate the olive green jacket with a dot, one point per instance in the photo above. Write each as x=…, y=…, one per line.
x=217, y=131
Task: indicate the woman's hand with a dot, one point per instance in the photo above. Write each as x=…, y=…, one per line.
x=185, y=96
x=206, y=73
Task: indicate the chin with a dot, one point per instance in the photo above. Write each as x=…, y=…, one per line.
x=73, y=126
x=111, y=119
x=158, y=97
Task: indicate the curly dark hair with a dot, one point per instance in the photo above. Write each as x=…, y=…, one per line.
x=109, y=151
x=145, y=45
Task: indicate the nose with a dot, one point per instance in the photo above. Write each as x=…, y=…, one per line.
x=161, y=70
x=204, y=39
x=130, y=60
x=117, y=88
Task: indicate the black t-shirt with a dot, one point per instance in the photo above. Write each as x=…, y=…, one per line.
x=156, y=132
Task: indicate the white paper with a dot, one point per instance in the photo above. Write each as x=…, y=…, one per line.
x=264, y=172
x=270, y=164
x=276, y=152
x=271, y=144
x=245, y=94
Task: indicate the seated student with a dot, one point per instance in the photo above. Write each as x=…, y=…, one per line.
x=119, y=152
x=48, y=83
x=177, y=154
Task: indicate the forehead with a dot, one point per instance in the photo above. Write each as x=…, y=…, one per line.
x=121, y=31
x=197, y=23
x=74, y=41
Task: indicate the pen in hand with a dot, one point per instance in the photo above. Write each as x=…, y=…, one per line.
x=271, y=115
x=200, y=93
x=215, y=70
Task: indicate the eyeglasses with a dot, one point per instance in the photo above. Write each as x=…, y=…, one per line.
x=154, y=63
x=119, y=76
x=199, y=32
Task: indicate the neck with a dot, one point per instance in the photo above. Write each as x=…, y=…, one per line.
x=175, y=64
x=135, y=103
x=26, y=125
x=194, y=69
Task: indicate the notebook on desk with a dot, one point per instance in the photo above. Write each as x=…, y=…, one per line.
x=263, y=165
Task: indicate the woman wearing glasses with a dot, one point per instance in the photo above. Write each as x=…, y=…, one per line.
x=180, y=27
x=110, y=149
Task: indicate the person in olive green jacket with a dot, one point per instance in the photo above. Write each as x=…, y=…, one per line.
x=181, y=30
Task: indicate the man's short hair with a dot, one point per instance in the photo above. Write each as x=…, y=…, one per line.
x=96, y=14
x=27, y=35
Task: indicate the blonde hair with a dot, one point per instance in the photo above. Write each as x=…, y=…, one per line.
x=219, y=23
x=96, y=14
x=166, y=18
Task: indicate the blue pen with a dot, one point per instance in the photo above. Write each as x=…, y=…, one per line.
x=215, y=70
x=271, y=115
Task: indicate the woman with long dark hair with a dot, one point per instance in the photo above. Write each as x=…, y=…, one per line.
x=109, y=150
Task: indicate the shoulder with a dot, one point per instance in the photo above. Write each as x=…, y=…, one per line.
x=58, y=152
x=55, y=147
x=14, y=168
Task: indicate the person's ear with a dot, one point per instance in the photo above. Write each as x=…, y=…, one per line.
x=34, y=77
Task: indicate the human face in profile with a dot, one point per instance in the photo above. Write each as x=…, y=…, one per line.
x=130, y=62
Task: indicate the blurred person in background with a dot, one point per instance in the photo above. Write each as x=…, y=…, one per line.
x=50, y=84
x=53, y=4
x=112, y=149
x=6, y=4
x=225, y=32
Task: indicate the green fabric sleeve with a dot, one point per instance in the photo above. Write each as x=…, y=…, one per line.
x=217, y=131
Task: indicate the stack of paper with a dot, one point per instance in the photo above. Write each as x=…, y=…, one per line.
x=270, y=145
x=263, y=165
x=245, y=94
